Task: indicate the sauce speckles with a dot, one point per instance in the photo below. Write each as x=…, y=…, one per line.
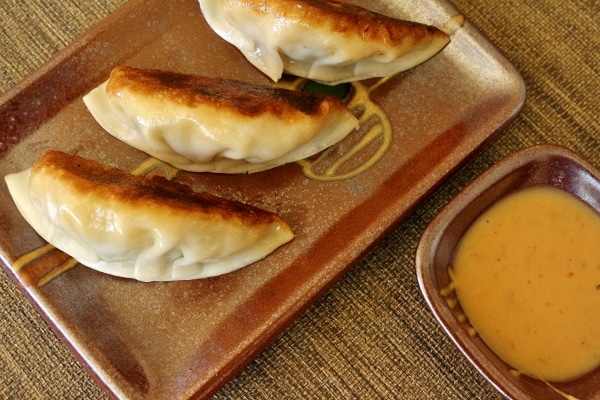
x=527, y=276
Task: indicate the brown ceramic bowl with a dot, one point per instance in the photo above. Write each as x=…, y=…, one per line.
x=537, y=165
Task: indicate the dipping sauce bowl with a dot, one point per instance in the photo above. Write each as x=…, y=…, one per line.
x=538, y=166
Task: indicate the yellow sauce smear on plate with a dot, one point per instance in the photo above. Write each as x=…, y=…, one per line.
x=527, y=276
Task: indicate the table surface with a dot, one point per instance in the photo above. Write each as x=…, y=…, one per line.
x=371, y=335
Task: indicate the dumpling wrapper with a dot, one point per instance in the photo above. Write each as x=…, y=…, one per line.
x=204, y=124
x=326, y=41
x=149, y=229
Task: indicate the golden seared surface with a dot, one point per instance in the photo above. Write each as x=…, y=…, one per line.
x=194, y=90
x=88, y=176
x=347, y=19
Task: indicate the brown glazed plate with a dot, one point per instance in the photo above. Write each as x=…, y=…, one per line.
x=177, y=340
x=538, y=165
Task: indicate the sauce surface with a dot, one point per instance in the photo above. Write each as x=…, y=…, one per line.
x=527, y=276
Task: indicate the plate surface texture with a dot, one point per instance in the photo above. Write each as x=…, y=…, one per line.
x=185, y=339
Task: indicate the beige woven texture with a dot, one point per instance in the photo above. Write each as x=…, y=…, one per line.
x=370, y=336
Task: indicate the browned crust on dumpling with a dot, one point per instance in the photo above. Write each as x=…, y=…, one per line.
x=347, y=19
x=86, y=176
x=193, y=90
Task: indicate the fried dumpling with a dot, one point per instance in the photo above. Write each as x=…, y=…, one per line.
x=326, y=41
x=149, y=229
x=206, y=124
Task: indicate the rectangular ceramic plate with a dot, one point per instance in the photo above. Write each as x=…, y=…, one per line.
x=542, y=165
x=182, y=339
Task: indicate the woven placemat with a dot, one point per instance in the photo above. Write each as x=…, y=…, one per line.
x=371, y=335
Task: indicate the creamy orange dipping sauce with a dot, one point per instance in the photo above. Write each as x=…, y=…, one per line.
x=527, y=276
